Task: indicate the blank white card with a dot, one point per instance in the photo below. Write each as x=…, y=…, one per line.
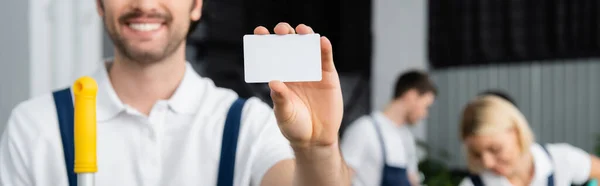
x=287, y=58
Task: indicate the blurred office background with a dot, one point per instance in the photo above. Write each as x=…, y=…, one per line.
x=544, y=53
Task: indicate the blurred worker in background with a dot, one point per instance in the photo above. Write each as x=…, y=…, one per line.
x=379, y=148
x=501, y=150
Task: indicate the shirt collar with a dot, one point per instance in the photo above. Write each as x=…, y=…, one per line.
x=384, y=120
x=109, y=105
x=186, y=98
x=541, y=161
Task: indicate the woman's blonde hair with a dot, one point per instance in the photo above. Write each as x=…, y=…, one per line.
x=491, y=114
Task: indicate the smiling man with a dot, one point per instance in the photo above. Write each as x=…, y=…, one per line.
x=160, y=123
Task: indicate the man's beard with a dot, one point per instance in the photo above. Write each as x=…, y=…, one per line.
x=146, y=57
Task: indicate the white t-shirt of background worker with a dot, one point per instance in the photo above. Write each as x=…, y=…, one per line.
x=362, y=151
x=177, y=144
x=570, y=165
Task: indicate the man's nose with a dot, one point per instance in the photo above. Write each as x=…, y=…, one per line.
x=146, y=5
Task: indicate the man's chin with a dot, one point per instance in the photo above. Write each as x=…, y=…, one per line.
x=145, y=56
x=147, y=52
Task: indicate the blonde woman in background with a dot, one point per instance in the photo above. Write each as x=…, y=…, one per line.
x=501, y=150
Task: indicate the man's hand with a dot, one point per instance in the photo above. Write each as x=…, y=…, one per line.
x=413, y=178
x=308, y=113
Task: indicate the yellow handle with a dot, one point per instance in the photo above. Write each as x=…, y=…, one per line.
x=85, y=89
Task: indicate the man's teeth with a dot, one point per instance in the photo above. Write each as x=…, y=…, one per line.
x=144, y=26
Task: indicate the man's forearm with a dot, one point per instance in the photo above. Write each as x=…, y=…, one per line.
x=321, y=165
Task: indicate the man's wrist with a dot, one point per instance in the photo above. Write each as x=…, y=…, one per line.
x=320, y=165
x=316, y=153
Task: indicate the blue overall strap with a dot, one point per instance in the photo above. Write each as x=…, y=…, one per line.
x=229, y=143
x=551, y=177
x=64, y=110
x=476, y=179
x=381, y=142
x=390, y=175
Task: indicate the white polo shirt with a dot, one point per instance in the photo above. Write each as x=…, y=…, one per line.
x=177, y=144
x=361, y=148
x=570, y=165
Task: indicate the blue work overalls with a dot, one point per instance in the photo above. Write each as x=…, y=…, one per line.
x=64, y=109
x=390, y=176
x=477, y=181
